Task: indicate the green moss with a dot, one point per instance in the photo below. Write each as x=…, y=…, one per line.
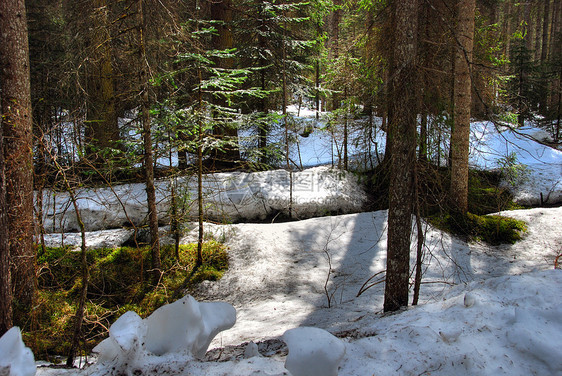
x=492, y=229
x=486, y=196
x=119, y=282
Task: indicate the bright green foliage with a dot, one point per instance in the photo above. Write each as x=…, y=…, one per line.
x=119, y=282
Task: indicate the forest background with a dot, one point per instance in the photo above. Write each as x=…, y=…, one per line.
x=97, y=92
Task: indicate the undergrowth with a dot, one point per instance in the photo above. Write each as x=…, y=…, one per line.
x=492, y=229
x=485, y=196
x=119, y=282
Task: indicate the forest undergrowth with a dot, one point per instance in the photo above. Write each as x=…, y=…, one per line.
x=119, y=281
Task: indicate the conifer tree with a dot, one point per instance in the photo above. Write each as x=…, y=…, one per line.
x=402, y=137
x=464, y=37
x=16, y=121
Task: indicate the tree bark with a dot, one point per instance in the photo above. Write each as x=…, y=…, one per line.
x=462, y=100
x=402, y=136
x=543, y=100
x=18, y=159
x=102, y=130
x=5, y=280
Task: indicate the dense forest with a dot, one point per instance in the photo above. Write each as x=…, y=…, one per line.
x=98, y=92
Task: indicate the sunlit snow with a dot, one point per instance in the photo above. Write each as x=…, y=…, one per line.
x=484, y=310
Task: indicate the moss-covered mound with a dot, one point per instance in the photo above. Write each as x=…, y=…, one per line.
x=120, y=280
x=492, y=229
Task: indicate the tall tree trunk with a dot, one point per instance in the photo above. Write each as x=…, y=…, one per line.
x=539, y=21
x=15, y=97
x=463, y=91
x=147, y=142
x=5, y=280
x=102, y=130
x=402, y=128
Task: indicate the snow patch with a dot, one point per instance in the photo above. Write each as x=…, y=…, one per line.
x=179, y=330
x=15, y=358
x=313, y=352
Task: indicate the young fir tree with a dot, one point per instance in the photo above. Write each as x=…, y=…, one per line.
x=274, y=43
x=522, y=82
x=203, y=100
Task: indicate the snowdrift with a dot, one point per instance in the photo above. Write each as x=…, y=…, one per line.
x=228, y=197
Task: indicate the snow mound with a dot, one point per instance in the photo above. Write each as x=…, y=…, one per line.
x=187, y=325
x=233, y=196
x=179, y=330
x=313, y=352
x=15, y=358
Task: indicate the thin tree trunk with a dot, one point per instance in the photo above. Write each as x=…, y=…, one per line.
x=463, y=91
x=286, y=118
x=200, y=212
x=79, y=316
x=507, y=29
x=345, y=132
x=263, y=127
x=15, y=97
x=334, y=51
x=147, y=142
x=317, y=85
x=402, y=128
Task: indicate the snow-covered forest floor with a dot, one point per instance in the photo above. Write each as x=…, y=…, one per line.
x=484, y=310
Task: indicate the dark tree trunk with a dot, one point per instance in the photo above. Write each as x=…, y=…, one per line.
x=102, y=130
x=18, y=159
x=221, y=11
x=462, y=96
x=5, y=282
x=543, y=100
x=402, y=132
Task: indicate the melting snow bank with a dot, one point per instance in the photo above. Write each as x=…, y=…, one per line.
x=506, y=325
x=172, y=340
x=233, y=196
x=183, y=329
